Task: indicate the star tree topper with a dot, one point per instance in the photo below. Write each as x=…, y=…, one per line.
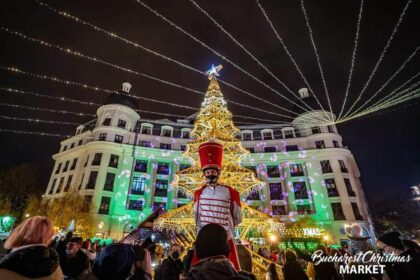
x=214, y=71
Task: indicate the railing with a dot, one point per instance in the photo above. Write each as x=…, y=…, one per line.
x=260, y=266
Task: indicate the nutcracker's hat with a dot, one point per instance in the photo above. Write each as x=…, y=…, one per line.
x=211, y=154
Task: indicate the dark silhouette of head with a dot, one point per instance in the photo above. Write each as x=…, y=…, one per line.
x=212, y=240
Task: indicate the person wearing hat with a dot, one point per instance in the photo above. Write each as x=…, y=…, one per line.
x=215, y=203
x=392, y=244
x=73, y=261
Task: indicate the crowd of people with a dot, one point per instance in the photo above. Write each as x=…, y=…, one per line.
x=33, y=253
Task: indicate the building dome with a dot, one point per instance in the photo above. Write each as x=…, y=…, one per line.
x=309, y=100
x=122, y=97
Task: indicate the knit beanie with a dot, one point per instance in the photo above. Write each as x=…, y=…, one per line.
x=212, y=241
x=392, y=239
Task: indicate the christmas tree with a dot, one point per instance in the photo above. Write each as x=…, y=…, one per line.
x=214, y=123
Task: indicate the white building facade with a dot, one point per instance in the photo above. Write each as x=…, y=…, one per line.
x=124, y=164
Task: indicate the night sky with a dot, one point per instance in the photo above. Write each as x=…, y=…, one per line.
x=386, y=144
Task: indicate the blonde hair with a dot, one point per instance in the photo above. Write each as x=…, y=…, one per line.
x=35, y=230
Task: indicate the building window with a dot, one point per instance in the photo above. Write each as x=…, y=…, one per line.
x=67, y=188
x=296, y=170
x=337, y=211
x=184, y=166
x=165, y=146
x=87, y=201
x=183, y=147
x=273, y=171
x=92, y=180
x=275, y=191
x=161, y=188
x=113, y=161
x=251, y=150
x=287, y=133
x=162, y=168
x=253, y=169
x=278, y=210
x=320, y=144
x=73, y=165
x=247, y=136
x=267, y=135
x=343, y=166
x=138, y=185
x=182, y=194
x=331, y=187
x=185, y=134
x=147, y=144
x=253, y=195
x=60, y=185
x=52, y=186
x=135, y=205
x=102, y=137
x=80, y=142
x=300, y=190
x=292, y=148
x=140, y=166
x=356, y=212
x=58, y=168
x=122, y=123
x=97, y=159
x=109, y=182
x=118, y=139
x=156, y=205
x=335, y=144
x=270, y=149
x=350, y=191
x=107, y=122
x=145, y=129
x=72, y=146
x=66, y=166
x=104, y=206
x=316, y=130
x=166, y=132
x=326, y=166
x=64, y=148
x=303, y=209
x=330, y=129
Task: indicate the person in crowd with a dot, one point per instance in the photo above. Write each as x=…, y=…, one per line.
x=86, y=248
x=142, y=264
x=188, y=259
x=115, y=262
x=73, y=261
x=245, y=258
x=212, y=249
x=172, y=266
x=323, y=270
x=272, y=273
x=358, y=244
x=274, y=256
x=30, y=256
x=392, y=244
x=3, y=251
x=292, y=269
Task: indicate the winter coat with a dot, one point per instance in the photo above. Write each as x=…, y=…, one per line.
x=406, y=270
x=73, y=267
x=293, y=271
x=245, y=258
x=323, y=271
x=170, y=269
x=219, y=268
x=32, y=262
x=140, y=275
